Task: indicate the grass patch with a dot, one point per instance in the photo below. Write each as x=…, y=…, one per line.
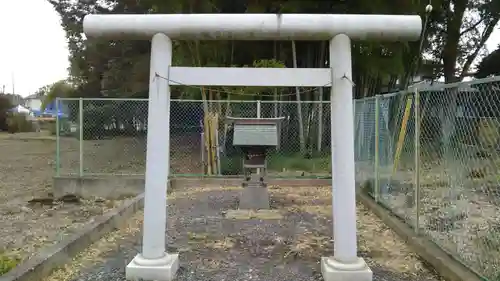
x=280, y=162
x=8, y=262
x=296, y=162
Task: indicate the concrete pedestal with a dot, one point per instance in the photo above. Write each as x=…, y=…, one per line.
x=333, y=270
x=163, y=269
x=254, y=197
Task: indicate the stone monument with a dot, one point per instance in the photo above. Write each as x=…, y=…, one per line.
x=255, y=136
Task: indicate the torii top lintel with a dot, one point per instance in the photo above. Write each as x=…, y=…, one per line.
x=254, y=26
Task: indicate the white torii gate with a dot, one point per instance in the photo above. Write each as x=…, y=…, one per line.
x=154, y=263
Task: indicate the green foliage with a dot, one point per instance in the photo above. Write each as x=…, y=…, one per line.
x=100, y=67
x=279, y=162
x=95, y=120
x=489, y=65
x=5, y=105
x=103, y=119
x=458, y=30
x=232, y=165
x=7, y=263
x=19, y=123
x=59, y=89
x=271, y=63
x=295, y=162
x=51, y=126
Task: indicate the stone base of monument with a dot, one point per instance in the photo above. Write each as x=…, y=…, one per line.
x=335, y=271
x=163, y=269
x=254, y=196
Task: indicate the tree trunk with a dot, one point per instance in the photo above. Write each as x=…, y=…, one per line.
x=310, y=109
x=299, y=105
x=196, y=57
x=449, y=98
x=228, y=99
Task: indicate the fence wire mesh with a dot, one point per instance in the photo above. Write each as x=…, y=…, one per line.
x=68, y=152
x=432, y=157
x=111, y=138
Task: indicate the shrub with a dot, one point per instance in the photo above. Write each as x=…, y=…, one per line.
x=5, y=105
x=278, y=161
x=51, y=126
x=231, y=165
x=46, y=125
x=95, y=119
x=19, y=123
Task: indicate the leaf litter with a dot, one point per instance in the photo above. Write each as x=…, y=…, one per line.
x=30, y=217
x=213, y=245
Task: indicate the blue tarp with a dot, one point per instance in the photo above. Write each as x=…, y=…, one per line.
x=51, y=110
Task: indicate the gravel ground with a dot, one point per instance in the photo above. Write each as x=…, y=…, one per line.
x=26, y=172
x=467, y=225
x=216, y=244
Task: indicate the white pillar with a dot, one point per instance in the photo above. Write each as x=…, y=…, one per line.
x=343, y=172
x=157, y=153
x=344, y=265
x=154, y=263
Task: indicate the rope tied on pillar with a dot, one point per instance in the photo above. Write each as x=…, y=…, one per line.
x=348, y=79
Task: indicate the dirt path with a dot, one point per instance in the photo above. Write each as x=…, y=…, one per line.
x=216, y=245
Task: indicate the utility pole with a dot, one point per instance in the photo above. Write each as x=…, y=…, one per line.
x=13, y=84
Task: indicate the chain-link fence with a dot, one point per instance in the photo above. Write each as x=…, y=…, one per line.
x=432, y=157
x=108, y=136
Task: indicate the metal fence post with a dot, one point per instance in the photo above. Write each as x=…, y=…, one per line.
x=356, y=139
x=417, y=161
x=58, y=145
x=258, y=116
x=258, y=109
x=80, y=129
x=376, y=190
x=202, y=150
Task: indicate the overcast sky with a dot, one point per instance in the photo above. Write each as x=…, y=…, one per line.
x=33, y=46
x=33, y=50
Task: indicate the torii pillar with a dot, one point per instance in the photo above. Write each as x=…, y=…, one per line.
x=154, y=263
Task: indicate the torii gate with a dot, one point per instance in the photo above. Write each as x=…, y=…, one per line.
x=154, y=263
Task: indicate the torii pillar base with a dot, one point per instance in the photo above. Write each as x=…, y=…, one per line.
x=333, y=270
x=163, y=269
